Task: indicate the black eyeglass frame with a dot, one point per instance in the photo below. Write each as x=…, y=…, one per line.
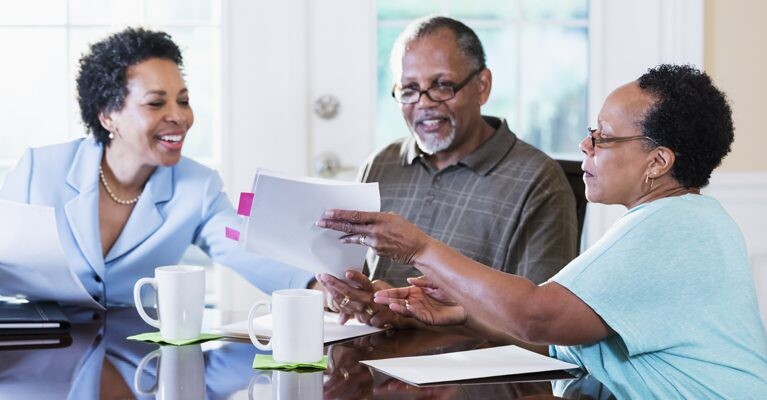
x=455, y=87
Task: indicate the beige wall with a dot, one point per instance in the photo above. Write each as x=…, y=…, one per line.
x=736, y=58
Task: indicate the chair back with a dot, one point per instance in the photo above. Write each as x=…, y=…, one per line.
x=574, y=176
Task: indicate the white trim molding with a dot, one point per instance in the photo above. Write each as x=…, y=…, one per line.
x=744, y=196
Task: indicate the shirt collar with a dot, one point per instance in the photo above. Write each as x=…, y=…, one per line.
x=483, y=159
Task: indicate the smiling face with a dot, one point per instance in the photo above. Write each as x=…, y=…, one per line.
x=435, y=60
x=153, y=122
x=614, y=172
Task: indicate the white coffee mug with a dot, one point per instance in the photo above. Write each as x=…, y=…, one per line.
x=287, y=385
x=180, y=300
x=180, y=373
x=297, y=325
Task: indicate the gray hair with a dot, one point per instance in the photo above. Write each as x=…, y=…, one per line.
x=467, y=40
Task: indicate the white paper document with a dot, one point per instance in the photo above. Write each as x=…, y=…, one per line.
x=471, y=364
x=32, y=262
x=333, y=332
x=282, y=221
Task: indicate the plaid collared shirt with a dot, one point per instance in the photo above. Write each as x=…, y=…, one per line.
x=506, y=205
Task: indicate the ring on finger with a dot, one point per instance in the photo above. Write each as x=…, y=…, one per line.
x=407, y=304
x=362, y=239
x=369, y=310
x=344, y=302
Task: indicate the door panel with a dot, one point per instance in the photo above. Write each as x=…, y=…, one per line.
x=341, y=70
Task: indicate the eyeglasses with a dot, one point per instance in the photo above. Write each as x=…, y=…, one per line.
x=600, y=140
x=438, y=93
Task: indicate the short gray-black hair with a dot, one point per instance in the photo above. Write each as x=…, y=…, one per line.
x=467, y=40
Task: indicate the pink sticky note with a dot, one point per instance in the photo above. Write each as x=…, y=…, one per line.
x=232, y=234
x=246, y=202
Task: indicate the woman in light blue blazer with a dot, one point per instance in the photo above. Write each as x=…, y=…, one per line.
x=126, y=201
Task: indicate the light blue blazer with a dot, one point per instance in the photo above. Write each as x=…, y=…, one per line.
x=180, y=205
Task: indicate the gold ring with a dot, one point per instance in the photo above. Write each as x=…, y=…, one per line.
x=407, y=304
x=345, y=373
x=344, y=302
x=369, y=310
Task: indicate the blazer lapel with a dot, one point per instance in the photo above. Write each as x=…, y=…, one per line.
x=82, y=211
x=146, y=217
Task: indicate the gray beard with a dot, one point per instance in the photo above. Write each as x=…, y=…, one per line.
x=434, y=144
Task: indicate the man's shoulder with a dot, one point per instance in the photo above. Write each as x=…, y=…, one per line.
x=392, y=151
x=386, y=162
x=528, y=159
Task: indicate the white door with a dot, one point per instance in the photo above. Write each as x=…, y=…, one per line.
x=286, y=60
x=342, y=85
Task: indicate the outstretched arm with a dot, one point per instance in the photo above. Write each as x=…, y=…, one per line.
x=492, y=299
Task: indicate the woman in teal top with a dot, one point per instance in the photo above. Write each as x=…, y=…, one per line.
x=663, y=305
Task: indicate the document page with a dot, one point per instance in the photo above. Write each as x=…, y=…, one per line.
x=471, y=364
x=281, y=222
x=333, y=331
x=32, y=262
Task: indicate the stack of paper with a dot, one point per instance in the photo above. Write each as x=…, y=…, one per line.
x=32, y=262
x=281, y=214
x=472, y=364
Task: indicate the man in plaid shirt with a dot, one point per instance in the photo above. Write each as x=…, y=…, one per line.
x=462, y=177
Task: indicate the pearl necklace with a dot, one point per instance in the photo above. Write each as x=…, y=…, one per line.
x=112, y=195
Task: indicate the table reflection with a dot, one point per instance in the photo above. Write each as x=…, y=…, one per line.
x=101, y=363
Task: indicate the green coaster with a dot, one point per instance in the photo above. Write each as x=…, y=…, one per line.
x=155, y=337
x=265, y=361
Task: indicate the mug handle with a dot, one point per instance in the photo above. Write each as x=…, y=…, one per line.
x=251, y=316
x=140, y=369
x=137, y=299
x=267, y=379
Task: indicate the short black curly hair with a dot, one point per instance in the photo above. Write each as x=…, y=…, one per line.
x=691, y=117
x=101, y=81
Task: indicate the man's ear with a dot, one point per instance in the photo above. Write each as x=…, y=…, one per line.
x=485, y=81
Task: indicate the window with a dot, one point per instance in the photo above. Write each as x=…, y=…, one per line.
x=537, y=50
x=42, y=41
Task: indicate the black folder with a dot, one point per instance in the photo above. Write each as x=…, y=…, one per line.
x=32, y=318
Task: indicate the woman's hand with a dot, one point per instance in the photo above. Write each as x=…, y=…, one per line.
x=355, y=300
x=388, y=234
x=424, y=302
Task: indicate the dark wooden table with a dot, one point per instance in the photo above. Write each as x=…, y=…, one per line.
x=96, y=361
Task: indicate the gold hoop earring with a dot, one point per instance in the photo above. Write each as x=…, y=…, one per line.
x=650, y=181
